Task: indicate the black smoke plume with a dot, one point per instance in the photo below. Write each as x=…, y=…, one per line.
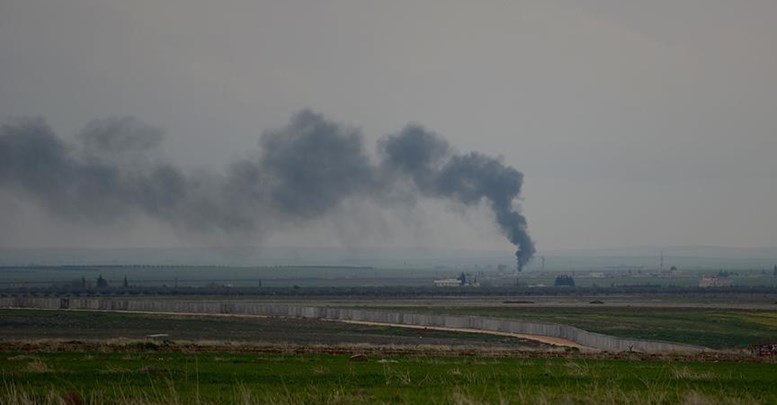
x=437, y=172
x=301, y=172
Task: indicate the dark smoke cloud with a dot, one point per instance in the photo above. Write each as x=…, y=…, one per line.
x=301, y=172
x=119, y=135
x=313, y=164
x=468, y=179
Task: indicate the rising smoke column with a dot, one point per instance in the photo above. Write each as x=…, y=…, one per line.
x=438, y=172
x=301, y=172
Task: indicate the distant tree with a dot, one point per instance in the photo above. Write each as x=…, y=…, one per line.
x=83, y=282
x=101, y=282
x=775, y=270
x=125, y=284
x=564, y=281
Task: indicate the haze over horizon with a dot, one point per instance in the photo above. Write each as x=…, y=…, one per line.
x=634, y=124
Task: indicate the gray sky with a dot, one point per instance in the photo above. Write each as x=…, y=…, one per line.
x=633, y=122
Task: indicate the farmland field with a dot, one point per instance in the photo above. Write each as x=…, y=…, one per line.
x=718, y=322
x=146, y=375
x=71, y=356
x=25, y=325
x=717, y=328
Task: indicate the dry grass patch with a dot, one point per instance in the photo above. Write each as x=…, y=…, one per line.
x=37, y=366
x=684, y=373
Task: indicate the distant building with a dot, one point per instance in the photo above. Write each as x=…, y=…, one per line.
x=564, y=281
x=462, y=280
x=447, y=282
x=714, y=281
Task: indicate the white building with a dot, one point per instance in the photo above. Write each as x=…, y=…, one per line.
x=447, y=282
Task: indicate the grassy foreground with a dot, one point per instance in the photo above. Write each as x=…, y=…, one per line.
x=153, y=377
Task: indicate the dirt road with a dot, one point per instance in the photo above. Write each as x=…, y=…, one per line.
x=555, y=341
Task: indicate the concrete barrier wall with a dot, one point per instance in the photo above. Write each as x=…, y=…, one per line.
x=577, y=335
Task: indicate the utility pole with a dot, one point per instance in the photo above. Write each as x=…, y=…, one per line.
x=661, y=268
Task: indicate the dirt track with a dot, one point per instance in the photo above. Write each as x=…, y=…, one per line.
x=550, y=340
x=77, y=325
x=555, y=341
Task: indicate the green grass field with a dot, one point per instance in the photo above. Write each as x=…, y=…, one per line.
x=713, y=328
x=214, y=378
